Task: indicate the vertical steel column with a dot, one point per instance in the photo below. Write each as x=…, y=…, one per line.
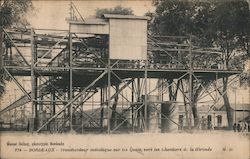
x=235, y=99
x=190, y=79
x=64, y=103
x=35, y=101
x=54, y=102
x=101, y=113
x=109, y=85
x=70, y=78
x=54, y=108
x=39, y=94
x=216, y=83
x=162, y=89
x=132, y=106
x=82, y=112
x=32, y=81
x=139, y=100
x=146, y=97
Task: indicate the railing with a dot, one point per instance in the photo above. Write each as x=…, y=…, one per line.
x=164, y=53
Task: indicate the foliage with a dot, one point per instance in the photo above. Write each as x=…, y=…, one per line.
x=116, y=10
x=13, y=11
x=211, y=21
x=173, y=17
x=231, y=27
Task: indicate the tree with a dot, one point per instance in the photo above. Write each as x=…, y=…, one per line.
x=183, y=18
x=116, y=10
x=221, y=24
x=231, y=27
x=173, y=17
x=178, y=18
x=11, y=11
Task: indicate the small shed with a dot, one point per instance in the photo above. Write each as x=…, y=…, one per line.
x=127, y=34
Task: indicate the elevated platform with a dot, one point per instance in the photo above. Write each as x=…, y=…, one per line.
x=123, y=73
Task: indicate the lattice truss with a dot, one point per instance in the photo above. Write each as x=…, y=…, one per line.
x=74, y=86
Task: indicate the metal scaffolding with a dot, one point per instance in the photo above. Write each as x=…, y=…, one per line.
x=69, y=71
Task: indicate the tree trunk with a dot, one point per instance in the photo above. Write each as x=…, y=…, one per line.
x=1, y=62
x=172, y=91
x=188, y=118
x=225, y=96
x=194, y=108
x=195, y=115
x=1, y=52
x=227, y=104
x=197, y=93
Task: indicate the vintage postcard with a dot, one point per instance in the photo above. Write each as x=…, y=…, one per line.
x=124, y=79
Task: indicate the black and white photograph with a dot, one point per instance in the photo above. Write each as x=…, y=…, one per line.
x=125, y=79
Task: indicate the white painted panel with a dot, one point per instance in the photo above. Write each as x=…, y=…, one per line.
x=128, y=39
x=90, y=28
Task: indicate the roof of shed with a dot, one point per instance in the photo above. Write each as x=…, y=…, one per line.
x=119, y=16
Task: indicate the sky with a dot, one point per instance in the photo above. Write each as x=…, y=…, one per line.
x=52, y=14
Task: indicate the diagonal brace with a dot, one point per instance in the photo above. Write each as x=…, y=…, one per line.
x=73, y=100
x=17, y=83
